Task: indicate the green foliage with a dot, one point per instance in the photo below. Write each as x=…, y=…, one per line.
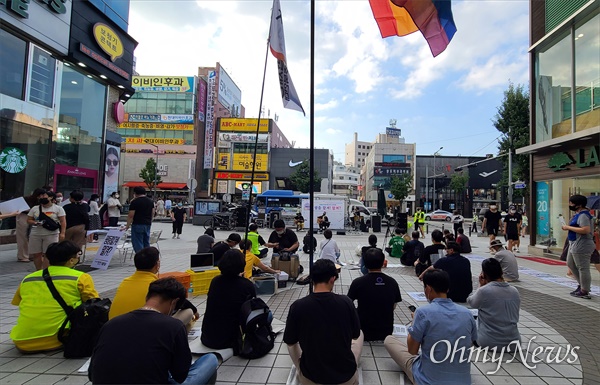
x=149, y=172
x=459, y=182
x=514, y=113
x=401, y=186
x=559, y=161
x=301, y=178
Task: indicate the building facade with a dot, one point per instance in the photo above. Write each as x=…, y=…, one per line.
x=356, y=152
x=565, y=113
x=345, y=180
x=284, y=162
x=66, y=72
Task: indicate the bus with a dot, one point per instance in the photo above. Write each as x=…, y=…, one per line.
x=284, y=201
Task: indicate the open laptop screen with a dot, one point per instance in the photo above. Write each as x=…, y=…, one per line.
x=202, y=261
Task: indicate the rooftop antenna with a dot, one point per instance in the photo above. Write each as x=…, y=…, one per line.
x=393, y=123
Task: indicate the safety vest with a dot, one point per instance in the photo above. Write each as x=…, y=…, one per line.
x=39, y=313
x=254, y=238
x=420, y=217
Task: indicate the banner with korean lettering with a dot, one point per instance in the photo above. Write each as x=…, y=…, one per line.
x=334, y=210
x=163, y=83
x=154, y=141
x=209, y=127
x=107, y=250
x=156, y=126
x=202, y=99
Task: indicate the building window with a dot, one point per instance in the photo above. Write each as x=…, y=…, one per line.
x=14, y=53
x=587, y=74
x=41, y=79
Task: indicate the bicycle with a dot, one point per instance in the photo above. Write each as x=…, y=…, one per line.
x=222, y=221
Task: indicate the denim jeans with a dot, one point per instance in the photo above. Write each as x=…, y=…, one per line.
x=140, y=237
x=201, y=371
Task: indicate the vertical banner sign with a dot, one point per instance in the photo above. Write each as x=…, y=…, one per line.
x=541, y=209
x=107, y=250
x=201, y=99
x=209, y=126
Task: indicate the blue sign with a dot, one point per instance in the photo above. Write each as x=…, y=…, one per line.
x=520, y=185
x=541, y=209
x=390, y=195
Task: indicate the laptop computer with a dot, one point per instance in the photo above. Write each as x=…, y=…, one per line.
x=202, y=262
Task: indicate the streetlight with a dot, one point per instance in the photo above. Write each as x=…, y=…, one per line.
x=155, y=172
x=510, y=183
x=434, y=171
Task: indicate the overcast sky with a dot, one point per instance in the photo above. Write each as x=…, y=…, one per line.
x=362, y=80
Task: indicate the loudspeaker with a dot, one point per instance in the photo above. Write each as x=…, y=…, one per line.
x=402, y=222
x=376, y=223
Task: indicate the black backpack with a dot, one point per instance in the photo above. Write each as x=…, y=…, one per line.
x=257, y=337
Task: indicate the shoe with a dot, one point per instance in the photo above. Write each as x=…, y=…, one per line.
x=576, y=290
x=173, y=236
x=582, y=294
x=178, y=237
x=24, y=260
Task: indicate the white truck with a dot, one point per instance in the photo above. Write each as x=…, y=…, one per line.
x=339, y=208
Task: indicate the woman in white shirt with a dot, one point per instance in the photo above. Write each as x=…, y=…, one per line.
x=329, y=248
x=94, y=214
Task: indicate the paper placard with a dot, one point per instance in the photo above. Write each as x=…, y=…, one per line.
x=107, y=249
x=417, y=296
x=10, y=206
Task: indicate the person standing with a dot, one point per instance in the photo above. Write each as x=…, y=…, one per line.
x=78, y=219
x=168, y=205
x=524, y=225
x=114, y=209
x=457, y=222
x=419, y=221
x=474, y=223
x=581, y=245
x=40, y=237
x=139, y=219
x=178, y=216
x=23, y=227
x=512, y=228
x=491, y=222
x=326, y=348
x=160, y=207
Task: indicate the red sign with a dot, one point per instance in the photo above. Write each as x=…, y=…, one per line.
x=241, y=175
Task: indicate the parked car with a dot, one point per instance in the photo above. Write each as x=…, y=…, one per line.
x=438, y=215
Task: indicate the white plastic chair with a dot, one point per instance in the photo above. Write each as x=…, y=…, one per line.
x=154, y=238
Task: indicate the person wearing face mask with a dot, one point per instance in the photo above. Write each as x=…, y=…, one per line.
x=435, y=363
x=491, y=221
x=148, y=346
x=40, y=237
x=512, y=228
x=581, y=245
x=114, y=209
x=58, y=198
x=282, y=239
x=94, y=215
x=178, y=216
x=459, y=271
x=37, y=326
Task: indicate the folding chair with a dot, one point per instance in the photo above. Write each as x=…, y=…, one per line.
x=125, y=246
x=154, y=238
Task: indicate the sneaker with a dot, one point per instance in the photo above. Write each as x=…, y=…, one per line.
x=177, y=236
x=576, y=290
x=173, y=236
x=582, y=294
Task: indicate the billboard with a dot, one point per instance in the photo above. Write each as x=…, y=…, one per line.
x=160, y=118
x=209, y=128
x=247, y=125
x=201, y=99
x=163, y=83
x=380, y=171
x=242, y=162
x=391, y=131
x=256, y=186
x=156, y=126
x=131, y=140
x=230, y=96
x=248, y=138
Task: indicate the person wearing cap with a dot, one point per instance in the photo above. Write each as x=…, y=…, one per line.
x=323, y=333
x=40, y=315
x=282, y=238
x=508, y=261
x=139, y=219
x=220, y=248
x=491, y=221
x=512, y=228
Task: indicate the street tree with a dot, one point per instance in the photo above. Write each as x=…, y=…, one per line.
x=513, y=116
x=458, y=183
x=401, y=186
x=149, y=173
x=301, y=178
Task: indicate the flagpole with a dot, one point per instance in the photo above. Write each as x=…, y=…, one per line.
x=312, y=131
x=262, y=91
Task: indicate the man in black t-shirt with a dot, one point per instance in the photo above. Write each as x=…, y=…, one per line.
x=512, y=227
x=220, y=248
x=326, y=325
x=141, y=212
x=282, y=239
x=377, y=295
x=147, y=346
x=491, y=221
x=459, y=270
x=431, y=252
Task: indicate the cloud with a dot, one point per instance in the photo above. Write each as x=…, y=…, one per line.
x=333, y=131
x=326, y=106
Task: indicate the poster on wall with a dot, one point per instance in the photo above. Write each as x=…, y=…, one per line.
x=112, y=161
x=333, y=208
x=543, y=105
x=542, y=202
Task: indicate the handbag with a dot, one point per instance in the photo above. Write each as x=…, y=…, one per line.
x=86, y=321
x=47, y=222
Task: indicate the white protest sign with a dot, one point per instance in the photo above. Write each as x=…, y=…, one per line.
x=107, y=250
x=333, y=208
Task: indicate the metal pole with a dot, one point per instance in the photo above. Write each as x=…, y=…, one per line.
x=510, y=182
x=434, y=174
x=426, y=187
x=155, y=171
x=312, y=128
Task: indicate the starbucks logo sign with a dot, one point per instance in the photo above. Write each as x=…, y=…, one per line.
x=12, y=160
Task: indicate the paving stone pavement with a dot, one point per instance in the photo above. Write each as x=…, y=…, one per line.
x=549, y=317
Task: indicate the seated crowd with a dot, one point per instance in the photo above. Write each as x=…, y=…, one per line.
x=150, y=316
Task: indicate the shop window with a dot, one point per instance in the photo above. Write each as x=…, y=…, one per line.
x=12, y=76
x=587, y=74
x=41, y=80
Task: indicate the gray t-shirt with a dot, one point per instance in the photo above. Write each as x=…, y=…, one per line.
x=584, y=243
x=205, y=243
x=498, y=305
x=508, y=261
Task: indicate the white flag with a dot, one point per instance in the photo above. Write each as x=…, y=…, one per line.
x=277, y=45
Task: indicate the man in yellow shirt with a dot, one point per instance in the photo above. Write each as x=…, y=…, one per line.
x=253, y=260
x=131, y=293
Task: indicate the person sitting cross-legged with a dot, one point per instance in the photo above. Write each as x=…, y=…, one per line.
x=322, y=332
x=498, y=304
x=443, y=321
x=412, y=250
x=508, y=261
x=459, y=271
x=148, y=346
x=396, y=244
x=377, y=295
x=252, y=260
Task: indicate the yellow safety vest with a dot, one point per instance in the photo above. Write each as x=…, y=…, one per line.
x=254, y=238
x=420, y=217
x=39, y=313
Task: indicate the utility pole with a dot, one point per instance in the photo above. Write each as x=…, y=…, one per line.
x=155, y=171
x=510, y=174
x=434, y=174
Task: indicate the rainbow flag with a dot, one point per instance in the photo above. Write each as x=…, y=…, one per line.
x=403, y=17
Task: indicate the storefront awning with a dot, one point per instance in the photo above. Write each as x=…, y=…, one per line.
x=160, y=186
